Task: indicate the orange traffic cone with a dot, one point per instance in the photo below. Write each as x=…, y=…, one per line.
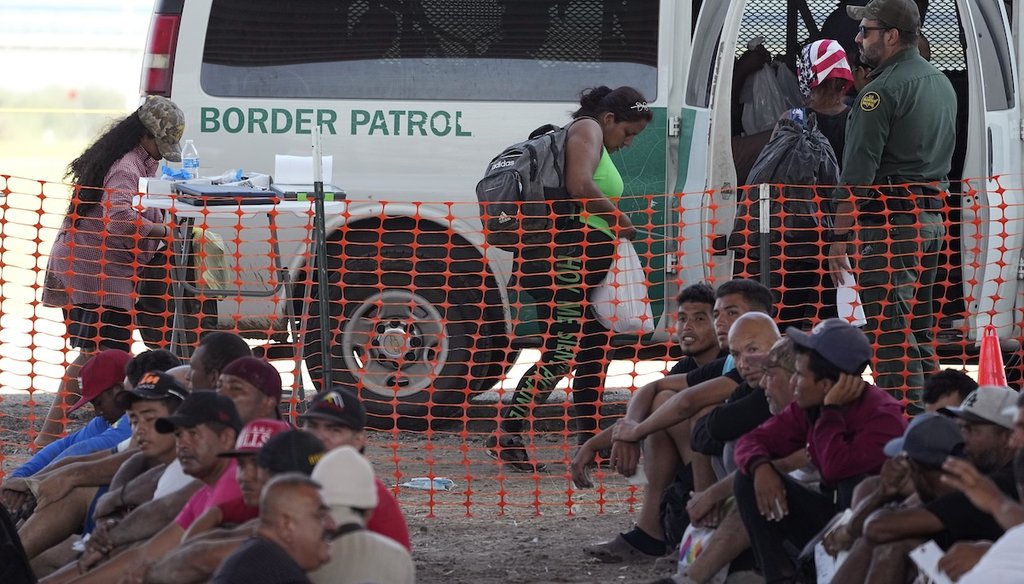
x=990, y=362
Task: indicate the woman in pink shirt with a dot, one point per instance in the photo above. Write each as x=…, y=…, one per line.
x=103, y=239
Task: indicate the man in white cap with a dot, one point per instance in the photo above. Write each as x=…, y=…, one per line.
x=952, y=517
x=357, y=554
x=983, y=562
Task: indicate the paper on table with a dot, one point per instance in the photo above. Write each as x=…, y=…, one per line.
x=848, y=300
x=299, y=169
x=927, y=556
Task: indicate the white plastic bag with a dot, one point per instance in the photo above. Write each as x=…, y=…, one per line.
x=766, y=95
x=621, y=303
x=695, y=539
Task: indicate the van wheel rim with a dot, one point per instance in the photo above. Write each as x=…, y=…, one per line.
x=395, y=343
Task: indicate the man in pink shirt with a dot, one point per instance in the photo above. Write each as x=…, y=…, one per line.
x=205, y=425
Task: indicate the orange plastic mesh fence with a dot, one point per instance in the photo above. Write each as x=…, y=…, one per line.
x=422, y=323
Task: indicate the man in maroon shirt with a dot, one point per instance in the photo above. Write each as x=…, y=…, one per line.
x=842, y=421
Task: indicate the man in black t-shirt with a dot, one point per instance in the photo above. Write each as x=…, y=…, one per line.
x=945, y=515
x=668, y=444
x=292, y=537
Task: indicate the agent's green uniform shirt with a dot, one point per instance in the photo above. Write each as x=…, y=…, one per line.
x=901, y=127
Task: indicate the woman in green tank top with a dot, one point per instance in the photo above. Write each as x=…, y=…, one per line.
x=561, y=276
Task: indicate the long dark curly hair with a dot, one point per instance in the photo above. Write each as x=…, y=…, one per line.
x=87, y=171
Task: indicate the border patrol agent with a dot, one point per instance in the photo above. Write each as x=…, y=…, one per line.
x=901, y=132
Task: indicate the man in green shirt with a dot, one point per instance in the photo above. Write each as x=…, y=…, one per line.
x=900, y=134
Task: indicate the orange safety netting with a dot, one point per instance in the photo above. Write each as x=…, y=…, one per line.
x=422, y=325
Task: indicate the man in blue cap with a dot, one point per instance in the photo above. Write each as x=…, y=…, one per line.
x=841, y=420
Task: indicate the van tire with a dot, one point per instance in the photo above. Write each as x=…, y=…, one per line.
x=417, y=320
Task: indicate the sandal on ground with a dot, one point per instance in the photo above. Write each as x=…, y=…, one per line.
x=617, y=551
x=510, y=450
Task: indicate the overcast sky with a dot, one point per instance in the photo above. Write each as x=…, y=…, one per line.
x=73, y=43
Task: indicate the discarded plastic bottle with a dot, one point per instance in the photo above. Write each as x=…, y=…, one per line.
x=190, y=159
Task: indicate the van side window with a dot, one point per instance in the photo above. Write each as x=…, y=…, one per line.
x=515, y=50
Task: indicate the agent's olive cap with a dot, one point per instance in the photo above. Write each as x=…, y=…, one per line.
x=901, y=14
x=165, y=120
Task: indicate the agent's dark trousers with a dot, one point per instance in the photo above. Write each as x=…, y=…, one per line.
x=809, y=512
x=896, y=269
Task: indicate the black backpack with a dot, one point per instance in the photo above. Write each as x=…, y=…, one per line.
x=519, y=187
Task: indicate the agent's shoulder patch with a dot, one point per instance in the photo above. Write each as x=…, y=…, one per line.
x=870, y=101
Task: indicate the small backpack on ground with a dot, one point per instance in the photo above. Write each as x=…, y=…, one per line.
x=519, y=188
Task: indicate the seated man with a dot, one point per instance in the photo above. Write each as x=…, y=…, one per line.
x=255, y=387
x=699, y=346
x=199, y=555
x=982, y=562
x=239, y=509
x=215, y=351
x=358, y=555
x=662, y=411
x=843, y=427
x=205, y=425
x=947, y=388
x=60, y=477
x=338, y=418
x=950, y=518
x=710, y=508
x=291, y=539
x=155, y=395
x=102, y=377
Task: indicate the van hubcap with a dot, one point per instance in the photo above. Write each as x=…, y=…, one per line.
x=395, y=343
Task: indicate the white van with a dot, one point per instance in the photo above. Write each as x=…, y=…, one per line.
x=415, y=97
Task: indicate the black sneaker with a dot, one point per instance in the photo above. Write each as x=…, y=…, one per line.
x=510, y=449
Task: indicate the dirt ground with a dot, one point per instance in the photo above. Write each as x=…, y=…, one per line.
x=490, y=527
x=520, y=528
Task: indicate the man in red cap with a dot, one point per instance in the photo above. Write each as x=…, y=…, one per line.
x=102, y=378
x=255, y=387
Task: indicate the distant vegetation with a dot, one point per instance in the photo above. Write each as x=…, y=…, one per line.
x=57, y=114
x=41, y=131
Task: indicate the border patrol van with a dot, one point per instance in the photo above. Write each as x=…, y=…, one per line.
x=415, y=97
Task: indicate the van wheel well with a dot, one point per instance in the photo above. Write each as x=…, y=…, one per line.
x=416, y=319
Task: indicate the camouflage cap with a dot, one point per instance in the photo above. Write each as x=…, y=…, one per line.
x=900, y=14
x=166, y=122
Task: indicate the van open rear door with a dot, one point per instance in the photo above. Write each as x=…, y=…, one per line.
x=705, y=155
x=993, y=203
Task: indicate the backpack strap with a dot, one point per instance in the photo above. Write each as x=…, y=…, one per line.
x=545, y=129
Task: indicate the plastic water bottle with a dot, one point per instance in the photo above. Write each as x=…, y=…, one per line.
x=190, y=159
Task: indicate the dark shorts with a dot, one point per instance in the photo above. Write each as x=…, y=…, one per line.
x=114, y=330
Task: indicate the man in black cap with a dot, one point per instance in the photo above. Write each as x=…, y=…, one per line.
x=900, y=134
x=280, y=451
x=952, y=517
x=930, y=440
x=338, y=418
x=153, y=396
x=841, y=420
x=205, y=425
